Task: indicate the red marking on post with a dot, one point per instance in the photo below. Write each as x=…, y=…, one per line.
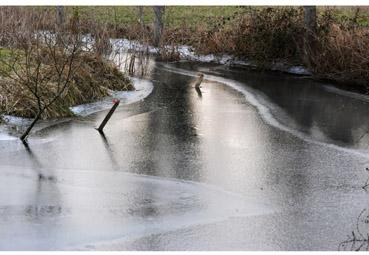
x=116, y=101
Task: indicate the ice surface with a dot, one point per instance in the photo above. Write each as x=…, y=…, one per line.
x=110, y=207
x=265, y=108
x=4, y=136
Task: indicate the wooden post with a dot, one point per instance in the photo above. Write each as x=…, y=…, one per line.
x=198, y=90
x=131, y=69
x=199, y=80
x=107, y=117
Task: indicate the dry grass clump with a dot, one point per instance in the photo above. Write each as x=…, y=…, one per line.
x=16, y=100
x=268, y=34
x=272, y=34
x=340, y=53
x=94, y=79
x=263, y=34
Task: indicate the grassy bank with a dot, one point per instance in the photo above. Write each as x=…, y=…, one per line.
x=94, y=79
x=262, y=34
x=194, y=16
x=47, y=66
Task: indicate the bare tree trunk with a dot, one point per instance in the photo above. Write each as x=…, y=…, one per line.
x=158, y=24
x=115, y=22
x=140, y=15
x=354, y=20
x=74, y=21
x=60, y=19
x=310, y=18
x=310, y=30
x=309, y=22
x=60, y=16
x=131, y=69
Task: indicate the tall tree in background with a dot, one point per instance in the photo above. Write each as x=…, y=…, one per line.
x=60, y=15
x=158, y=24
x=140, y=12
x=60, y=19
x=310, y=18
x=310, y=28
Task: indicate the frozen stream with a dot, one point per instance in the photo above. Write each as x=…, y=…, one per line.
x=256, y=161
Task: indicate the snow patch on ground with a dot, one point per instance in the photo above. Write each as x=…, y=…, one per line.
x=125, y=44
x=187, y=53
x=282, y=67
x=299, y=70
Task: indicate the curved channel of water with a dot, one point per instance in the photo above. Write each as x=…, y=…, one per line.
x=252, y=161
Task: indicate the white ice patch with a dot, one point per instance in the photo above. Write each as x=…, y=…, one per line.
x=124, y=45
x=299, y=70
x=17, y=121
x=142, y=89
x=6, y=137
x=264, y=108
x=186, y=52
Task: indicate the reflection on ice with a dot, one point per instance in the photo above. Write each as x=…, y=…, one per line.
x=110, y=207
x=269, y=112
